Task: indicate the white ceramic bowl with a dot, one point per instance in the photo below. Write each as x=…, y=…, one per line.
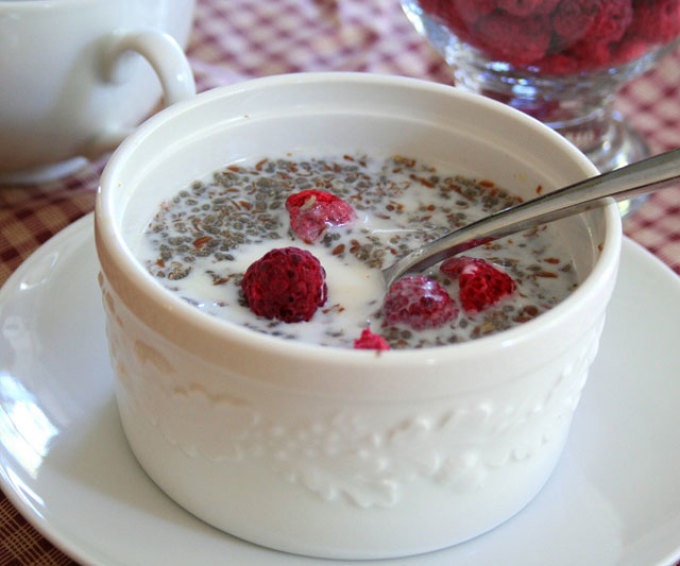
x=324, y=451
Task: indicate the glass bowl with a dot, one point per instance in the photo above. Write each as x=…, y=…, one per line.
x=560, y=61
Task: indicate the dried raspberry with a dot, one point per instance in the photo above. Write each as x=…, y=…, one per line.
x=370, y=341
x=559, y=64
x=611, y=22
x=418, y=302
x=460, y=23
x=471, y=10
x=458, y=16
x=481, y=284
x=286, y=284
x=629, y=49
x=436, y=8
x=657, y=22
x=312, y=212
x=518, y=41
x=572, y=19
x=527, y=7
x=590, y=55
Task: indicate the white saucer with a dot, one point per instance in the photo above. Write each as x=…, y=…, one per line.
x=64, y=462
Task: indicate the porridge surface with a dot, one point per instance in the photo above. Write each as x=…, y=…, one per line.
x=201, y=242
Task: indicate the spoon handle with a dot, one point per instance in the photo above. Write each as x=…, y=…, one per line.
x=640, y=177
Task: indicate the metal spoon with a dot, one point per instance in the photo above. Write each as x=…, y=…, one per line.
x=640, y=177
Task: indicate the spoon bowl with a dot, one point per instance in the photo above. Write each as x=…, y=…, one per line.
x=643, y=176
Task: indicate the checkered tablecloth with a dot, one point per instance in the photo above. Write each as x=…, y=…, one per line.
x=237, y=39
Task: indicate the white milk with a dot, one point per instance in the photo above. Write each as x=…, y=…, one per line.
x=355, y=289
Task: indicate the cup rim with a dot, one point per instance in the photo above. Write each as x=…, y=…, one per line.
x=106, y=230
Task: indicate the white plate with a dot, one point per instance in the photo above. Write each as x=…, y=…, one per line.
x=64, y=461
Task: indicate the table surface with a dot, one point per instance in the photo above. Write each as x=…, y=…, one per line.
x=236, y=40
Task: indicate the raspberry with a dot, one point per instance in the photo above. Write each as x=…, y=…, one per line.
x=481, y=284
x=519, y=41
x=628, y=50
x=591, y=55
x=286, y=284
x=560, y=37
x=435, y=8
x=471, y=10
x=418, y=302
x=611, y=22
x=527, y=7
x=572, y=18
x=560, y=64
x=312, y=212
x=370, y=341
x=657, y=22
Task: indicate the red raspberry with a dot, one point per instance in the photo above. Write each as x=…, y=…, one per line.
x=471, y=10
x=286, y=284
x=312, y=212
x=481, y=284
x=418, y=302
x=436, y=8
x=657, y=22
x=611, y=22
x=458, y=16
x=572, y=19
x=370, y=341
x=527, y=7
x=560, y=64
x=518, y=41
x=590, y=55
x=629, y=49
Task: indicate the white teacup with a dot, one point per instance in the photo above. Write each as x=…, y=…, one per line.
x=69, y=87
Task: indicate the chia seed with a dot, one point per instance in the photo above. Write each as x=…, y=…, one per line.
x=196, y=241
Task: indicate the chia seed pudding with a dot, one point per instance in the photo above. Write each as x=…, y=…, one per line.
x=200, y=243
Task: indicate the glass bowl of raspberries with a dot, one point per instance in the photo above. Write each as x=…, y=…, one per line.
x=561, y=61
x=392, y=437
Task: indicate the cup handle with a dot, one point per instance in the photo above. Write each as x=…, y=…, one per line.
x=167, y=59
